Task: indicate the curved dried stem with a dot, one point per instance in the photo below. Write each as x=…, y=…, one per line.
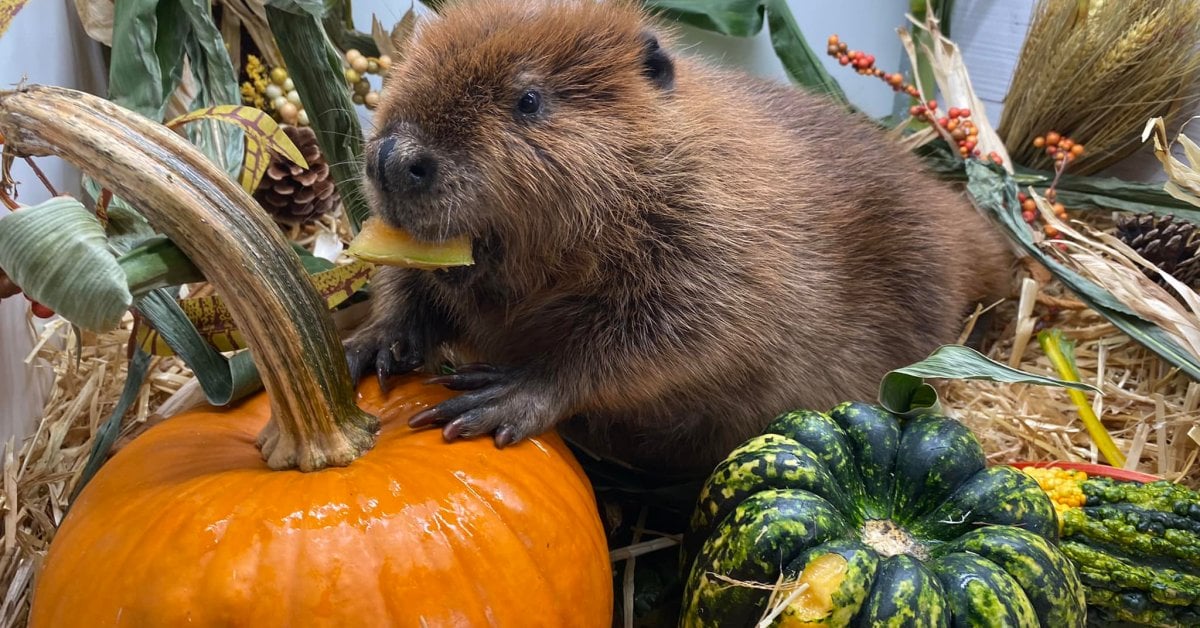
x=314, y=419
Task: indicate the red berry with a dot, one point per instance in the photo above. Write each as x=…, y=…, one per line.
x=916, y=110
x=953, y=112
x=932, y=104
x=844, y=60
x=1028, y=216
x=40, y=310
x=964, y=113
x=943, y=122
x=1021, y=196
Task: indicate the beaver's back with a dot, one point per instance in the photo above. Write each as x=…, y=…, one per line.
x=838, y=255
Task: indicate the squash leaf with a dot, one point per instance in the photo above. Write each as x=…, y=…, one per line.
x=904, y=391
x=744, y=18
x=58, y=253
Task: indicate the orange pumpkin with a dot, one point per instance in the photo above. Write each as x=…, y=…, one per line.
x=188, y=526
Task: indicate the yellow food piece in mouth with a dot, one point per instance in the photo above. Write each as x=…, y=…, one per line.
x=380, y=243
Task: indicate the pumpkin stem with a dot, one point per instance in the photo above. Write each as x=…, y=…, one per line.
x=315, y=421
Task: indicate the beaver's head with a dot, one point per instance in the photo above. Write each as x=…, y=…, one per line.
x=521, y=121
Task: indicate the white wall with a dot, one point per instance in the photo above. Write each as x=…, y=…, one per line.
x=865, y=24
x=44, y=44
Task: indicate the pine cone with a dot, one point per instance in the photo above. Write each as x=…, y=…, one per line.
x=1170, y=244
x=295, y=195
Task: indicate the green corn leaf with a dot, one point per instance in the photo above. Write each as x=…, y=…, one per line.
x=57, y=252
x=316, y=70
x=216, y=82
x=106, y=436
x=157, y=263
x=1076, y=192
x=904, y=391
x=313, y=8
x=997, y=194
x=745, y=18
x=223, y=380
x=149, y=41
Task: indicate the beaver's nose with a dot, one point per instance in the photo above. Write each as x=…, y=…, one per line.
x=418, y=173
x=401, y=167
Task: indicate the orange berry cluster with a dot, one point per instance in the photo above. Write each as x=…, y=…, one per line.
x=957, y=122
x=1029, y=213
x=1062, y=148
x=864, y=64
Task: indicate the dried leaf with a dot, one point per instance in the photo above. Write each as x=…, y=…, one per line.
x=97, y=19
x=953, y=81
x=8, y=11
x=1183, y=180
x=401, y=33
x=262, y=134
x=380, y=35
x=996, y=193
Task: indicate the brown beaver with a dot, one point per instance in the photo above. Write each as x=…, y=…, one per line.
x=668, y=254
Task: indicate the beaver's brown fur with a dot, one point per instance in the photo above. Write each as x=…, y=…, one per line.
x=668, y=252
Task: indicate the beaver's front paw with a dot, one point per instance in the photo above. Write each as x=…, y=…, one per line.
x=386, y=350
x=506, y=403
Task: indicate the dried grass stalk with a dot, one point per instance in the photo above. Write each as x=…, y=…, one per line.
x=40, y=473
x=1095, y=70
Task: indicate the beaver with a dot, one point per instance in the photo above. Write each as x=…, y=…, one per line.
x=668, y=254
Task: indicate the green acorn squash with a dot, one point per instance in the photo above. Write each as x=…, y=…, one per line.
x=860, y=517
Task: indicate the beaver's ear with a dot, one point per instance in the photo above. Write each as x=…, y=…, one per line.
x=656, y=65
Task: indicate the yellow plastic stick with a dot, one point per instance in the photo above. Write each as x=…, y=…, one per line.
x=1066, y=370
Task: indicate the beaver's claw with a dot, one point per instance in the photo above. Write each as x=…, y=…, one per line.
x=387, y=352
x=501, y=402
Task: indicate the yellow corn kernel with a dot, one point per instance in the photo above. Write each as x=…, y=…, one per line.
x=1064, y=486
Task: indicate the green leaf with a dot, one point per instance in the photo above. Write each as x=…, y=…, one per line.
x=157, y=263
x=222, y=379
x=801, y=63
x=316, y=70
x=997, y=193
x=744, y=18
x=217, y=84
x=57, y=252
x=149, y=38
x=314, y=8
x=106, y=436
x=735, y=18
x=1076, y=192
x=903, y=391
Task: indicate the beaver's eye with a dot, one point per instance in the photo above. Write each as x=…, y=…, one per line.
x=530, y=103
